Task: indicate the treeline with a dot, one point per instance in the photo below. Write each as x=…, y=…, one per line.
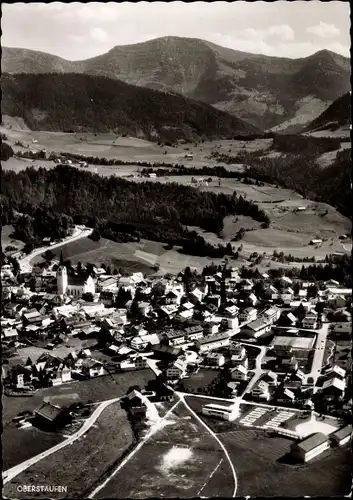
x=6, y=151
x=50, y=201
x=301, y=144
x=338, y=267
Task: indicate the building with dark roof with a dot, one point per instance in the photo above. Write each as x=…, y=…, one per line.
x=342, y=436
x=52, y=416
x=310, y=447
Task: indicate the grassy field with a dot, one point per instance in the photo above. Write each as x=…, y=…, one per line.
x=198, y=381
x=290, y=231
x=98, y=450
x=21, y=444
x=180, y=460
x=257, y=460
x=6, y=239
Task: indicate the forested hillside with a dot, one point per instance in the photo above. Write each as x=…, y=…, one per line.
x=76, y=102
x=51, y=200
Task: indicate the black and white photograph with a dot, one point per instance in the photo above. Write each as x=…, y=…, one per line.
x=176, y=250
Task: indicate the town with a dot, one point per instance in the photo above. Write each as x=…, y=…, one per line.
x=265, y=352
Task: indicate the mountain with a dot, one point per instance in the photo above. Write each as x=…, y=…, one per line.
x=337, y=115
x=62, y=102
x=265, y=91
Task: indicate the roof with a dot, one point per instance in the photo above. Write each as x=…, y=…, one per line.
x=48, y=411
x=312, y=442
x=343, y=432
x=336, y=383
x=295, y=342
x=240, y=368
x=256, y=325
x=214, y=338
x=76, y=280
x=175, y=334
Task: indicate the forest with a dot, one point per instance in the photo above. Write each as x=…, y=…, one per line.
x=40, y=203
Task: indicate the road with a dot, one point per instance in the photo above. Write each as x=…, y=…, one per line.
x=318, y=353
x=258, y=371
x=153, y=429
x=18, y=469
x=79, y=232
x=195, y=415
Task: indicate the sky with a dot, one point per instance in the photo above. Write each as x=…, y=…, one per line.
x=78, y=31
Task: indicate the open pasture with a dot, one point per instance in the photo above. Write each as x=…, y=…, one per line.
x=178, y=460
x=95, y=452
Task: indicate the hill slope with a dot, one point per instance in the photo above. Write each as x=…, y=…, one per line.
x=263, y=90
x=60, y=102
x=338, y=114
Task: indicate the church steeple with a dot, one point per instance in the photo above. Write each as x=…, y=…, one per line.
x=61, y=259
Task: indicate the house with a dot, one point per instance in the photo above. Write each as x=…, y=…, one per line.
x=177, y=370
x=287, y=319
x=229, y=413
x=285, y=396
x=261, y=391
x=287, y=295
x=92, y=367
x=62, y=375
x=236, y=360
x=212, y=327
x=213, y=342
x=256, y=329
x=52, y=416
x=251, y=300
x=239, y=373
x=135, y=403
x=272, y=314
x=144, y=308
x=315, y=241
x=214, y=359
x=237, y=349
x=194, y=332
x=310, y=321
x=271, y=293
x=9, y=335
x=337, y=301
x=166, y=352
x=342, y=436
x=310, y=447
x=175, y=337
x=248, y=315
x=270, y=378
x=334, y=387
x=336, y=371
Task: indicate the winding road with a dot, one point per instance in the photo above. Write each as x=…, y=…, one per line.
x=18, y=469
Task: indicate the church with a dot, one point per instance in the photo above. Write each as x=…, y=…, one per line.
x=73, y=285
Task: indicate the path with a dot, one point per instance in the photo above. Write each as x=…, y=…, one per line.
x=182, y=397
x=18, y=469
x=319, y=351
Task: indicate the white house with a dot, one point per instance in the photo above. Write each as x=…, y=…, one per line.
x=215, y=359
x=239, y=373
x=177, y=370
x=257, y=328
x=261, y=391
x=310, y=321
x=342, y=436
x=213, y=342
x=248, y=315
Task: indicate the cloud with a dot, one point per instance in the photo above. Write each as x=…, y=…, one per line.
x=281, y=31
x=324, y=30
x=98, y=12
x=77, y=38
x=99, y=35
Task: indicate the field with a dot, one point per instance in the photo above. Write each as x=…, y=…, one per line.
x=261, y=471
x=261, y=462
x=97, y=451
x=6, y=240
x=290, y=231
x=181, y=459
x=21, y=444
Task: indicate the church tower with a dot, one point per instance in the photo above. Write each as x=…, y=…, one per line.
x=61, y=277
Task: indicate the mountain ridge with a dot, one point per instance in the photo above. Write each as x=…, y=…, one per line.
x=263, y=90
x=80, y=102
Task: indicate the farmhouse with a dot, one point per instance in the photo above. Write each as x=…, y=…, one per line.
x=310, y=447
x=248, y=315
x=342, y=436
x=213, y=342
x=239, y=373
x=225, y=412
x=52, y=416
x=261, y=391
x=310, y=321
